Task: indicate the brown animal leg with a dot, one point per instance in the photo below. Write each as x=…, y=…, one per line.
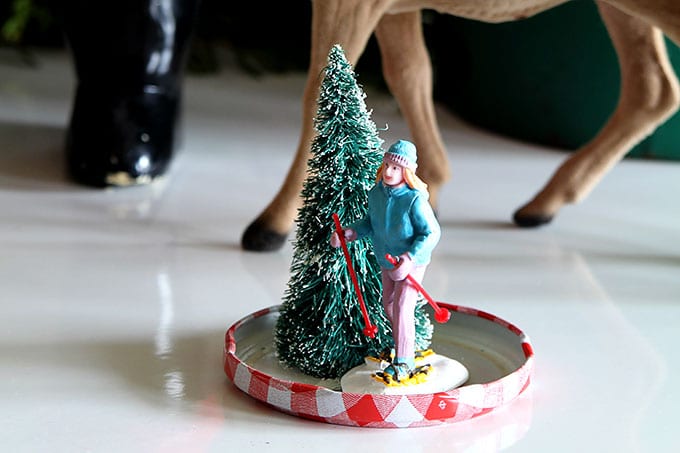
x=649, y=95
x=663, y=14
x=408, y=73
x=350, y=24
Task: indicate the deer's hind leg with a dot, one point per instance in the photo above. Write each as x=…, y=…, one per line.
x=349, y=23
x=408, y=73
x=649, y=95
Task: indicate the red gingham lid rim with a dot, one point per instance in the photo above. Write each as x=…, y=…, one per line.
x=481, y=397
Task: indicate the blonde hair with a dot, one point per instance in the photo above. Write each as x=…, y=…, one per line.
x=413, y=181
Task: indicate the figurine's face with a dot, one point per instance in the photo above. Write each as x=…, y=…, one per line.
x=393, y=174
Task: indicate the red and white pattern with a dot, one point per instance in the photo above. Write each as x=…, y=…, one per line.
x=379, y=411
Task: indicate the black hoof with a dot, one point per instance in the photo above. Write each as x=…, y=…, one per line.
x=529, y=220
x=121, y=140
x=258, y=238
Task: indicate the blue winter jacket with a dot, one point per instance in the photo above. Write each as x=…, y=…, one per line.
x=400, y=220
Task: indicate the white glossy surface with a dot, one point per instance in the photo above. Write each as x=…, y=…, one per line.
x=114, y=303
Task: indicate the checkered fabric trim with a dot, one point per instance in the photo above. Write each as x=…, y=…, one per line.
x=380, y=411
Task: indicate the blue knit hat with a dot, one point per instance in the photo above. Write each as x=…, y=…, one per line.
x=402, y=153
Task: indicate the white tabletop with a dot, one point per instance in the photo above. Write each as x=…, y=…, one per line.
x=114, y=303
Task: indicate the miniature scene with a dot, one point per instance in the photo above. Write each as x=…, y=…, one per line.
x=386, y=248
x=355, y=318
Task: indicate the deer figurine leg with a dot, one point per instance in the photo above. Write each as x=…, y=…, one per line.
x=346, y=22
x=649, y=95
x=663, y=14
x=408, y=73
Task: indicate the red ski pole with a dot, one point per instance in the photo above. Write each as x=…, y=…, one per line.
x=440, y=314
x=370, y=330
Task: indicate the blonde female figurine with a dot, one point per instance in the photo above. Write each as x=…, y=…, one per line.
x=401, y=223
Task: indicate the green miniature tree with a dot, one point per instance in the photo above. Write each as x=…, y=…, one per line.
x=319, y=330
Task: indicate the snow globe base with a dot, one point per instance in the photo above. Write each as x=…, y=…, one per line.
x=443, y=374
x=498, y=356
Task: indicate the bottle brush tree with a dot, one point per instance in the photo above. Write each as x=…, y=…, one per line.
x=319, y=330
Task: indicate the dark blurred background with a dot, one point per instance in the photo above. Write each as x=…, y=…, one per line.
x=552, y=79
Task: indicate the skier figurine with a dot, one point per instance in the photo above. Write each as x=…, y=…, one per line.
x=401, y=223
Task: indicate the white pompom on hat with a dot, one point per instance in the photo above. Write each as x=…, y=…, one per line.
x=402, y=153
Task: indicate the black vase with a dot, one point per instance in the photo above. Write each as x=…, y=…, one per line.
x=129, y=58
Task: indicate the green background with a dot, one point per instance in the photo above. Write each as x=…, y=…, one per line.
x=551, y=79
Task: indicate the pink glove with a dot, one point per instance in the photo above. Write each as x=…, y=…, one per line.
x=350, y=235
x=402, y=269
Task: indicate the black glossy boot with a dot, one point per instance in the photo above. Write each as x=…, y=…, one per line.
x=129, y=58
